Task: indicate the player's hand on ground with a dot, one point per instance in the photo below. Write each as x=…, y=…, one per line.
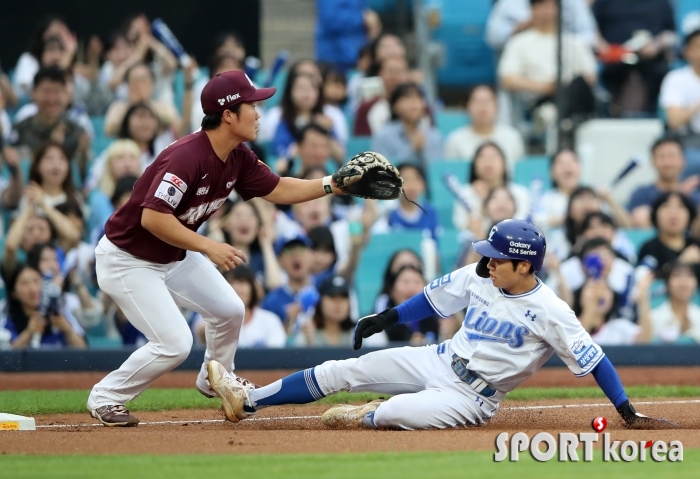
x=635, y=420
x=225, y=256
x=373, y=324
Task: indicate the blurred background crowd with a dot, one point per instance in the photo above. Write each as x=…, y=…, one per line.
x=489, y=111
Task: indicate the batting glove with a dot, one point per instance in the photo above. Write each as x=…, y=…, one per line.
x=373, y=324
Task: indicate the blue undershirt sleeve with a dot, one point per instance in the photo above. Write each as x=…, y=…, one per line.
x=416, y=308
x=608, y=380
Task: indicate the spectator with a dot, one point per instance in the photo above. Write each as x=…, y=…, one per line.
x=565, y=171
x=75, y=301
x=313, y=151
x=123, y=159
x=324, y=258
x=290, y=299
x=671, y=214
x=51, y=120
x=401, y=258
x=144, y=48
x=680, y=98
x=141, y=125
x=10, y=188
x=635, y=87
x=89, y=91
x=75, y=110
x=119, y=56
x=331, y=324
x=528, y=65
x=669, y=162
x=597, y=260
x=602, y=225
x=122, y=191
x=7, y=98
x=244, y=229
x=302, y=103
x=342, y=27
x=679, y=90
x=373, y=113
x=219, y=63
x=510, y=17
x=30, y=327
x=260, y=328
x=499, y=205
x=408, y=215
x=408, y=137
x=29, y=62
x=50, y=173
x=384, y=46
x=676, y=320
x=335, y=88
x=38, y=222
x=140, y=83
x=582, y=201
x=488, y=171
x=318, y=212
x=483, y=108
x=406, y=283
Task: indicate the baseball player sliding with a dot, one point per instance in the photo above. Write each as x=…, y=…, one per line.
x=151, y=261
x=512, y=326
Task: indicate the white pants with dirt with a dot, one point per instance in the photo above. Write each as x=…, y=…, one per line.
x=428, y=393
x=149, y=295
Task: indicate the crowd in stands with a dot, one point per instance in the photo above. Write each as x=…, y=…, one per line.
x=81, y=121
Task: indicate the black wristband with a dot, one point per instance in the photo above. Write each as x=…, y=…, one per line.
x=12, y=169
x=389, y=317
x=627, y=411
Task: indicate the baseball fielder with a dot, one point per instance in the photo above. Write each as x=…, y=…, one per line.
x=513, y=324
x=151, y=260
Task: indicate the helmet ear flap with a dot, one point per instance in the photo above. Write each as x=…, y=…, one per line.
x=482, y=269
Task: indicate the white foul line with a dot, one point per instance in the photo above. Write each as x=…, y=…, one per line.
x=291, y=418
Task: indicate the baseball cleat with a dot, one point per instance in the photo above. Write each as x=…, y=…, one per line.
x=114, y=415
x=232, y=391
x=345, y=415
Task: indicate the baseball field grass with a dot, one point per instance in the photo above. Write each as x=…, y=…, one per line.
x=351, y=466
x=28, y=402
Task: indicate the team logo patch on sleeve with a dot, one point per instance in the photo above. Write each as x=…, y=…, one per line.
x=587, y=356
x=168, y=193
x=175, y=180
x=578, y=347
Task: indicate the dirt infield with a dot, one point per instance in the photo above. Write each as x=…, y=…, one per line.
x=297, y=429
x=279, y=430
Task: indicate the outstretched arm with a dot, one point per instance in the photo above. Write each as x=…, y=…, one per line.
x=609, y=381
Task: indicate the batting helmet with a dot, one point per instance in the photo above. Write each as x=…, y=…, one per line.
x=512, y=239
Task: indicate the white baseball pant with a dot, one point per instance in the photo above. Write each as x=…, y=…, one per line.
x=428, y=394
x=149, y=295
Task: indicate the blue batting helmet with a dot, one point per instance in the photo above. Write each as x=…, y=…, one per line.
x=512, y=239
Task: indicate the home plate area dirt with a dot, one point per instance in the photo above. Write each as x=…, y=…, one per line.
x=298, y=429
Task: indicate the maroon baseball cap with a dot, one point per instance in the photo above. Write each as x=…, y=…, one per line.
x=230, y=88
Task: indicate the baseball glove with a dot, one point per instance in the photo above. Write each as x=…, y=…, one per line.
x=369, y=175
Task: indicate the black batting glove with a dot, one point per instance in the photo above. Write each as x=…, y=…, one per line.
x=635, y=420
x=373, y=324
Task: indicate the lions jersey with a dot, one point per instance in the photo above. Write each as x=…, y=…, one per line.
x=506, y=337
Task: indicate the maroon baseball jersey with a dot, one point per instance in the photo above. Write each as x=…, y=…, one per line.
x=188, y=180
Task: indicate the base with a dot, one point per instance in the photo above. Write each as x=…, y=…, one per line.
x=12, y=422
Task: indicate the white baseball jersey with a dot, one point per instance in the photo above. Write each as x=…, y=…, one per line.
x=507, y=338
